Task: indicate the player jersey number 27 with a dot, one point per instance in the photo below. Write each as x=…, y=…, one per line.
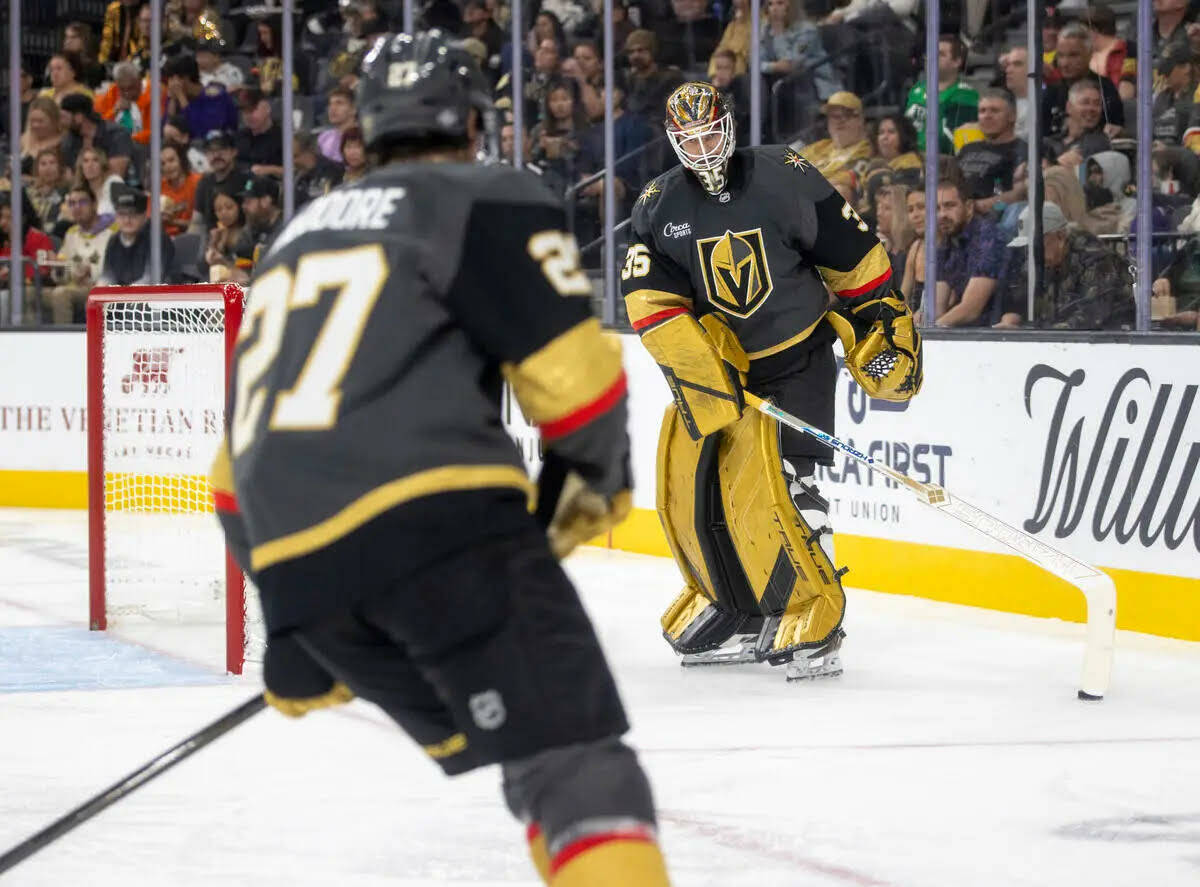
x=356, y=276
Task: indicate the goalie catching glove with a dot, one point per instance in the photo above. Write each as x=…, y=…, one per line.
x=296, y=683
x=883, y=347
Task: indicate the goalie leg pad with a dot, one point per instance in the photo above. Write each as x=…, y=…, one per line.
x=691, y=510
x=699, y=630
x=787, y=570
x=745, y=550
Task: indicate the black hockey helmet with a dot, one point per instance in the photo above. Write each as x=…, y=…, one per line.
x=420, y=87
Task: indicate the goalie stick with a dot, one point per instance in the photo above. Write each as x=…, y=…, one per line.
x=131, y=783
x=1097, y=587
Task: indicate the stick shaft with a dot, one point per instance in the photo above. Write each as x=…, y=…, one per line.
x=131, y=783
x=1097, y=587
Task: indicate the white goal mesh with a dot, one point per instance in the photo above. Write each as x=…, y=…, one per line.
x=157, y=370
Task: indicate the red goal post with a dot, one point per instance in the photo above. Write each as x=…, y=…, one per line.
x=158, y=362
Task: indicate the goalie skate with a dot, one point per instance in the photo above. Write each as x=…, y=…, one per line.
x=822, y=662
x=738, y=650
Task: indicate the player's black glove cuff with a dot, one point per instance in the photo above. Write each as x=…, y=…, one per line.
x=297, y=683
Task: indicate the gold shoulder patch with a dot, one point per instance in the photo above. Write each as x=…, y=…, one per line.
x=794, y=160
x=649, y=191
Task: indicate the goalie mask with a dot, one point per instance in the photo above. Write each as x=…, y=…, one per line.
x=700, y=127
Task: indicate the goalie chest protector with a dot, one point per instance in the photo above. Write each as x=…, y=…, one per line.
x=762, y=251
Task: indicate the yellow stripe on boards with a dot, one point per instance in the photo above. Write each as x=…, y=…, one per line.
x=43, y=489
x=1147, y=602
x=156, y=493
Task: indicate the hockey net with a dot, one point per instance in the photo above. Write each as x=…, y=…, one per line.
x=157, y=366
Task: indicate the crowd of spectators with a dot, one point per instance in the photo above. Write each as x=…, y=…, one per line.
x=841, y=83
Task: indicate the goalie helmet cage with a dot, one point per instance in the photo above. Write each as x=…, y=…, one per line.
x=158, y=361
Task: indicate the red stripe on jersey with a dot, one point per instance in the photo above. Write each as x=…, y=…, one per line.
x=866, y=287
x=586, y=413
x=658, y=317
x=583, y=845
x=226, y=502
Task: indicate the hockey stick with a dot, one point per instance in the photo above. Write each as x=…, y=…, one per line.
x=1097, y=587
x=132, y=782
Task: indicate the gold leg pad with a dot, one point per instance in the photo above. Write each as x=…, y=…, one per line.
x=811, y=620
x=683, y=611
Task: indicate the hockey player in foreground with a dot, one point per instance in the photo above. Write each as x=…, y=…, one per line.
x=745, y=266
x=385, y=506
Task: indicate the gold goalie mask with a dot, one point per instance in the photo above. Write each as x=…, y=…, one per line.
x=883, y=348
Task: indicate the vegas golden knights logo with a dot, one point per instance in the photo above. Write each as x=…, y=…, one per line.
x=736, y=274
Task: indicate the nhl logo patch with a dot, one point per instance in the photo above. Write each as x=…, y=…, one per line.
x=487, y=709
x=737, y=277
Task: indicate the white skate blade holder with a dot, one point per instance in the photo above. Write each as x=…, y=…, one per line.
x=738, y=650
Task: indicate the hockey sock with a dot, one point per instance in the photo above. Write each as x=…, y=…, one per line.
x=607, y=852
x=538, y=852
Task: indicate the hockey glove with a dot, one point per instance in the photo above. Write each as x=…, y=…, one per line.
x=704, y=365
x=884, y=351
x=296, y=683
x=574, y=511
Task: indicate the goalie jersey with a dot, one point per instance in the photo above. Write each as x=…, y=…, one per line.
x=377, y=334
x=766, y=253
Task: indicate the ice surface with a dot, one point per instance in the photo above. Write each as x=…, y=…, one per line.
x=951, y=753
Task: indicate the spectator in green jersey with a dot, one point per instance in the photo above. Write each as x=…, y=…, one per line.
x=958, y=103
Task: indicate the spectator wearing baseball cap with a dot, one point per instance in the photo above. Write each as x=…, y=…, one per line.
x=127, y=256
x=260, y=142
x=847, y=147
x=316, y=174
x=1085, y=286
x=264, y=218
x=205, y=107
x=1174, y=101
x=86, y=129
x=213, y=69
x=223, y=175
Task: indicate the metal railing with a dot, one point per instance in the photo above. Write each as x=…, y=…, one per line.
x=869, y=45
